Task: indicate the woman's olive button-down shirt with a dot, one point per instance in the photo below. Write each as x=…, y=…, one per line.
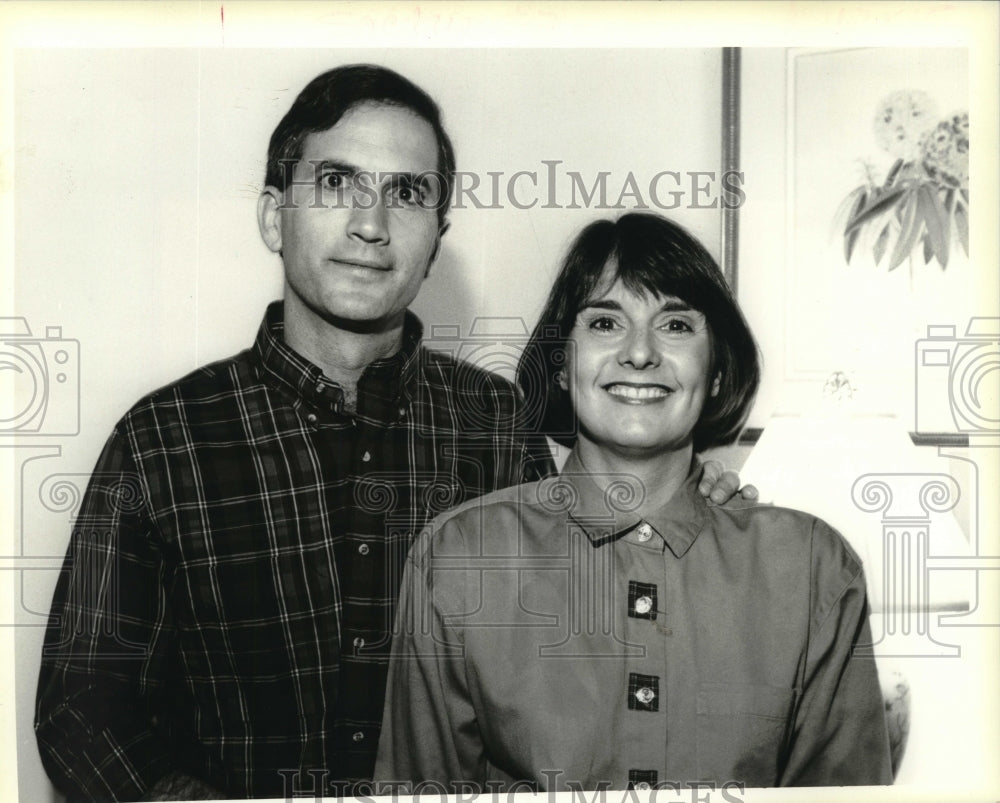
x=546, y=634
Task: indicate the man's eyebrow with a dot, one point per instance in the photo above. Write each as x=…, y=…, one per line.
x=336, y=166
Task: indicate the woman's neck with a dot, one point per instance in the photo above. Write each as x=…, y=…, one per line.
x=656, y=476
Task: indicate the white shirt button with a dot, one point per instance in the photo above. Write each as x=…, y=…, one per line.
x=358, y=736
x=366, y=457
x=645, y=695
x=364, y=549
x=644, y=532
x=643, y=605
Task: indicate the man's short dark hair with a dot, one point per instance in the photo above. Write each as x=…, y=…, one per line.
x=328, y=97
x=652, y=255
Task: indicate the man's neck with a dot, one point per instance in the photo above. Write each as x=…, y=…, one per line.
x=341, y=352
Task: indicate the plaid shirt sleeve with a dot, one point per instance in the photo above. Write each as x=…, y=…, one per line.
x=103, y=657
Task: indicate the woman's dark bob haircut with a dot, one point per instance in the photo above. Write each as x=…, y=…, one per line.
x=651, y=255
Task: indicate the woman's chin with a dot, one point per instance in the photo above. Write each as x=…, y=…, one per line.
x=641, y=447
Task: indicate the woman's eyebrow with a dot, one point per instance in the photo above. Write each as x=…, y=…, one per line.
x=601, y=303
x=676, y=305
x=671, y=304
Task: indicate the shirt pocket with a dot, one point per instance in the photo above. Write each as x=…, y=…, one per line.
x=742, y=732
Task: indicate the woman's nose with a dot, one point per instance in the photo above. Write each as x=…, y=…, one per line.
x=639, y=350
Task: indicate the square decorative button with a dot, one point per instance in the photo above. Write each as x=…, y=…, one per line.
x=641, y=600
x=643, y=692
x=641, y=779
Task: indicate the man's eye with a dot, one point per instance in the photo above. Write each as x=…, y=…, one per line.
x=408, y=194
x=334, y=180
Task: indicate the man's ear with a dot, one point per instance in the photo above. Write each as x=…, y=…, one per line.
x=437, y=247
x=269, y=217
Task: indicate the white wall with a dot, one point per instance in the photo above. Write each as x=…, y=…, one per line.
x=137, y=173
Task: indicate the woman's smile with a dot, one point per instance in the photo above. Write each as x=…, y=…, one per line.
x=635, y=393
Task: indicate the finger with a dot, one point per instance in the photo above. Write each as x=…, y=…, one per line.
x=727, y=485
x=749, y=492
x=710, y=474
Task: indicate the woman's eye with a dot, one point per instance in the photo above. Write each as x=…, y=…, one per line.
x=603, y=324
x=678, y=325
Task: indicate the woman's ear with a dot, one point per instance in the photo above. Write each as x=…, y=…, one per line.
x=269, y=217
x=716, y=383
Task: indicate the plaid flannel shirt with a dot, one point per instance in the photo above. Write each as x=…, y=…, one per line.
x=227, y=599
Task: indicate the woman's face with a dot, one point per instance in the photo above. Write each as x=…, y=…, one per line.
x=638, y=371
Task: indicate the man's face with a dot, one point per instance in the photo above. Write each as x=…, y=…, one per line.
x=356, y=240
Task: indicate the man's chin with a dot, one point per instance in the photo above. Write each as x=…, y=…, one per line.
x=361, y=321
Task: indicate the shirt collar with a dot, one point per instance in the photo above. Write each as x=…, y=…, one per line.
x=608, y=515
x=390, y=380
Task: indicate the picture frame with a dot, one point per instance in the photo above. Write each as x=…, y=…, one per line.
x=803, y=128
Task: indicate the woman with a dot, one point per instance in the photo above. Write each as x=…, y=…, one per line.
x=610, y=627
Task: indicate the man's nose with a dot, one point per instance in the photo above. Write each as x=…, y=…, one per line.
x=369, y=221
x=638, y=349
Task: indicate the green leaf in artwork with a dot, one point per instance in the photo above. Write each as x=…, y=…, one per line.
x=949, y=200
x=881, y=243
x=936, y=220
x=860, y=196
x=911, y=228
x=962, y=226
x=893, y=173
x=874, y=208
x=850, y=240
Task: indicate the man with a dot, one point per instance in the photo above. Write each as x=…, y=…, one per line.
x=222, y=624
